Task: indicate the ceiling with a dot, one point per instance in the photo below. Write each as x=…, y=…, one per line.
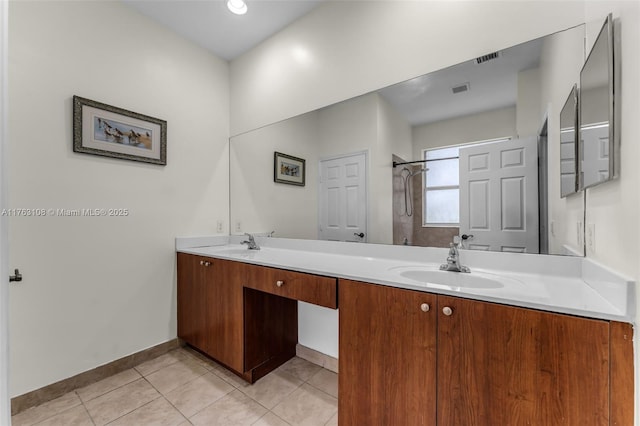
x=211, y=25
x=422, y=100
x=492, y=85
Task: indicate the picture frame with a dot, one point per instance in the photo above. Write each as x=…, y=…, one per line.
x=288, y=169
x=109, y=131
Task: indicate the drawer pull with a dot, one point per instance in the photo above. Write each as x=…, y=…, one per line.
x=279, y=283
x=202, y=262
x=207, y=263
x=424, y=307
x=447, y=311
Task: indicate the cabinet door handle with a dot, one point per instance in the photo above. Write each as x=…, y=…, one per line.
x=424, y=307
x=207, y=263
x=447, y=311
x=202, y=263
x=279, y=283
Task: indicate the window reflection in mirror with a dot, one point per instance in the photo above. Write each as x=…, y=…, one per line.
x=596, y=111
x=569, y=144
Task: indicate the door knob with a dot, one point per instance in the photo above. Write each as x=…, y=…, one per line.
x=17, y=277
x=424, y=307
x=279, y=283
x=447, y=311
x=361, y=235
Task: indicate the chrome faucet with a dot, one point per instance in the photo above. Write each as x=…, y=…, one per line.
x=251, y=243
x=453, y=259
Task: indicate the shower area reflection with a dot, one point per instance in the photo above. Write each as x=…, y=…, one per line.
x=408, y=224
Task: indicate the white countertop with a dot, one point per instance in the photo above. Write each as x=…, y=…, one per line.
x=560, y=284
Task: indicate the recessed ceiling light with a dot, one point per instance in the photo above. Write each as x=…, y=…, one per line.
x=239, y=7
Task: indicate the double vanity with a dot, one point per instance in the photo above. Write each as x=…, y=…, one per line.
x=521, y=339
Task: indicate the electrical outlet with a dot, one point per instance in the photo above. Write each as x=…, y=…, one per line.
x=219, y=227
x=238, y=227
x=591, y=237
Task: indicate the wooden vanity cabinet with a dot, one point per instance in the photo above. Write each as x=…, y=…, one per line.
x=466, y=362
x=502, y=365
x=387, y=359
x=192, y=290
x=245, y=316
x=210, y=307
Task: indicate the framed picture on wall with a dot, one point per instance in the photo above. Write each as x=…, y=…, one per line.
x=102, y=129
x=288, y=169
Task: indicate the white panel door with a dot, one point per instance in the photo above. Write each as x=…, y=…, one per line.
x=343, y=198
x=499, y=196
x=595, y=161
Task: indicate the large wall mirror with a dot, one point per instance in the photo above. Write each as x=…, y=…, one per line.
x=597, y=134
x=456, y=137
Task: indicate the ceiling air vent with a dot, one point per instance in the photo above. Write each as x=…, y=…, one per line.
x=486, y=58
x=460, y=88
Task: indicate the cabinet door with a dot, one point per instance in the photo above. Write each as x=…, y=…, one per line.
x=499, y=365
x=224, y=312
x=387, y=356
x=192, y=327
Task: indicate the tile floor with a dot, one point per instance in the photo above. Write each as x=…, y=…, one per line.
x=184, y=388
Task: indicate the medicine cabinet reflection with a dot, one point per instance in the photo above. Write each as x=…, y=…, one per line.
x=569, y=144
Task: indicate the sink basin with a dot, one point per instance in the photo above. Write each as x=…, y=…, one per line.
x=435, y=277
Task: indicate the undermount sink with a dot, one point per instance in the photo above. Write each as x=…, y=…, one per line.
x=435, y=277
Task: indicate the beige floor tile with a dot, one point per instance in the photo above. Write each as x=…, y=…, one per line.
x=270, y=419
x=229, y=377
x=160, y=362
x=326, y=381
x=197, y=394
x=307, y=406
x=333, y=421
x=300, y=368
x=94, y=390
x=273, y=388
x=235, y=409
x=49, y=409
x=121, y=401
x=76, y=416
x=205, y=361
x=171, y=377
x=157, y=413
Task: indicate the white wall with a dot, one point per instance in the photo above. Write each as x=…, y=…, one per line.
x=486, y=125
x=346, y=49
x=393, y=137
x=98, y=289
x=560, y=63
x=364, y=123
x=613, y=207
x=258, y=203
x=528, y=118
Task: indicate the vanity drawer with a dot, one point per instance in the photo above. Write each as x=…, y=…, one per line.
x=308, y=288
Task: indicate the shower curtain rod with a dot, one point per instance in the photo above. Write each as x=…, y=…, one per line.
x=395, y=163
